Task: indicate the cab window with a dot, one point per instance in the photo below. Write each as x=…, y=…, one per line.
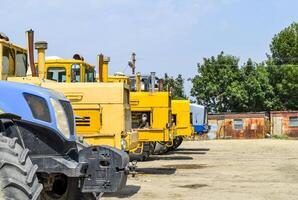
x=56, y=74
x=5, y=61
x=75, y=73
x=89, y=75
x=21, y=64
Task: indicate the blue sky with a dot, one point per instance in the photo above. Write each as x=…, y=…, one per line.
x=167, y=35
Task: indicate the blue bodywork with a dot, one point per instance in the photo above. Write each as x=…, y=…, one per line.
x=12, y=100
x=199, y=118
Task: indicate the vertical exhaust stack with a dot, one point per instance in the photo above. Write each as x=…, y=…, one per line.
x=105, y=69
x=100, y=67
x=152, y=81
x=30, y=50
x=138, y=82
x=41, y=47
x=160, y=85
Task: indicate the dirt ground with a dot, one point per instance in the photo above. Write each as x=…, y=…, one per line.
x=218, y=169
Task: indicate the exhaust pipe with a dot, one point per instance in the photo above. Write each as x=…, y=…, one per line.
x=41, y=47
x=30, y=50
x=152, y=81
x=138, y=82
x=100, y=67
x=160, y=85
x=103, y=68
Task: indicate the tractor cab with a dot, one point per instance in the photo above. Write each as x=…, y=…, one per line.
x=13, y=60
x=69, y=70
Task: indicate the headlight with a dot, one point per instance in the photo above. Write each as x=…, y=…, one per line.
x=61, y=119
x=123, y=144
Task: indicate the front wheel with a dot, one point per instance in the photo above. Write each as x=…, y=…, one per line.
x=18, y=178
x=176, y=143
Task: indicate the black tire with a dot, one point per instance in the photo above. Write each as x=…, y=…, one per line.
x=176, y=143
x=72, y=192
x=18, y=178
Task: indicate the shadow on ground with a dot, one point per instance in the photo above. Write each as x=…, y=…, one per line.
x=186, y=152
x=156, y=170
x=128, y=191
x=170, y=158
x=192, y=149
x=187, y=166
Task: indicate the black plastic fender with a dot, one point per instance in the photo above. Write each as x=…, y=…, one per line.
x=107, y=169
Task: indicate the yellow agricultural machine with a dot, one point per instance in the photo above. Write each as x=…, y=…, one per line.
x=102, y=109
x=160, y=121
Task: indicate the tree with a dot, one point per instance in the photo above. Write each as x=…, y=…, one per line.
x=282, y=67
x=217, y=84
x=223, y=86
x=284, y=80
x=176, y=85
x=284, y=46
x=259, y=92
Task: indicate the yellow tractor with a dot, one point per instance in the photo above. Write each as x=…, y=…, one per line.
x=102, y=110
x=161, y=122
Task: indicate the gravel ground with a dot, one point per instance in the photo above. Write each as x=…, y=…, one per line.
x=218, y=169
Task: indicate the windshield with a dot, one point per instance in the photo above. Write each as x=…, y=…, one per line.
x=75, y=73
x=57, y=74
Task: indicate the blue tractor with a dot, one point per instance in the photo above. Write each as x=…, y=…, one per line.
x=198, y=117
x=40, y=156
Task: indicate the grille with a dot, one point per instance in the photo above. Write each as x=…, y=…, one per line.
x=83, y=121
x=69, y=113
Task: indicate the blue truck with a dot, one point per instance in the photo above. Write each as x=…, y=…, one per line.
x=41, y=157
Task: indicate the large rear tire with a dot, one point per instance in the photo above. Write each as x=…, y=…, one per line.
x=18, y=178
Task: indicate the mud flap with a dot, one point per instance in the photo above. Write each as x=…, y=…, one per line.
x=107, y=169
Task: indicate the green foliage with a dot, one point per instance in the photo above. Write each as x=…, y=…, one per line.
x=217, y=84
x=284, y=80
x=284, y=46
x=176, y=85
x=223, y=86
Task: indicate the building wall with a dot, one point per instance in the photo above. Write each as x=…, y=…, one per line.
x=280, y=123
x=239, y=126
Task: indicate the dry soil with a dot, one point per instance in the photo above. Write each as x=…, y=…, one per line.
x=218, y=169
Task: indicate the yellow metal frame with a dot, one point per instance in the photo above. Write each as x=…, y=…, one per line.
x=159, y=106
x=181, y=110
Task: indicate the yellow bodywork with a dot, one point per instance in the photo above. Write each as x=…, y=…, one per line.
x=158, y=105
x=102, y=111
x=181, y=115
x=102, y=108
